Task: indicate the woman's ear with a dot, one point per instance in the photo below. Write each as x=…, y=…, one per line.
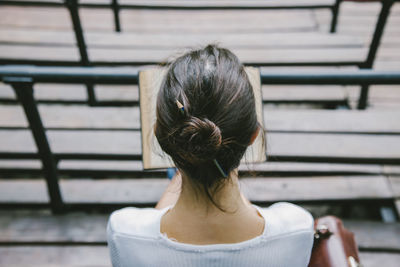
x=254, y=135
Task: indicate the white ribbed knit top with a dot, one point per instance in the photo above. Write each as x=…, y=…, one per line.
x=134, y=239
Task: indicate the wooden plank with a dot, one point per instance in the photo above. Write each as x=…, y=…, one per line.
x=6, y=92
x=12, y=116
x=386, y=65
x=270, y=93
x=206, y=21
x=293, y=189
x=66, y=92
x=61, y=92
x=382, y=121
x=132, y=39
x=229, y=3
x=51, y=53
x=397, y=206
x=247, y=56
x=44, y=227
x=127, y=168
x=159, y=20
x=117, y=93
x=391, y=169
x=375, y=235
x=34, y=17
x=20, y=164
x=278, y=144
x=272, y=3
x=268, y=167
x=394, y=182
x=334, y=145
x=389, y=53
x=37, y=36
x=298, y=93
x=99, y=256
x=81, y=117
x=372, y=259
x=376, y=93
x=46, y=256
x=150, y=190
x=156, y=55
x=360, y=30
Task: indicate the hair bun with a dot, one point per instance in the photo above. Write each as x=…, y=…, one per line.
x=200, y=139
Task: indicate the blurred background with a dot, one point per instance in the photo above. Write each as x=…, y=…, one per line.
x=70, y=145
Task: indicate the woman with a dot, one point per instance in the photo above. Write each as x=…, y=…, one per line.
x=206, y=119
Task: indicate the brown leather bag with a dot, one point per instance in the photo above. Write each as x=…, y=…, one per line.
x=334, y=245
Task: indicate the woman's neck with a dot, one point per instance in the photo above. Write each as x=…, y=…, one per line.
x=196, y=220
x=228, y=197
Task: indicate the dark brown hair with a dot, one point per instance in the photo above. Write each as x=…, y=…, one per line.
x=219, y=116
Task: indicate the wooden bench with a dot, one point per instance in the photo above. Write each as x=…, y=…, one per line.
x=81, y=130
x=145, y=47
x=150, y=48
x=310, y=96
x=78, y=239
x=252, y=44
x=77, y=132
x=330, y=161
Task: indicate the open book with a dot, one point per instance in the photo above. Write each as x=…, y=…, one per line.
x=153, y=157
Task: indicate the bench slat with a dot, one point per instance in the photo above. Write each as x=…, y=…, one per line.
x=329, y=188
x=160, y=20
x=148, y=55
x=69, y=256
x=278, y=144
x=42, y=227
x=163, y=40
x=271, y=94
x=74, y=117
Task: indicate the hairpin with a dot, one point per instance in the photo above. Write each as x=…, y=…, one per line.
x=219, y=168
x=180, y=106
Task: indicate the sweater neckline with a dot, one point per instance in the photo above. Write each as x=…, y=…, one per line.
x=222, y=246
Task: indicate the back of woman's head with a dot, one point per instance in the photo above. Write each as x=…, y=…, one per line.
x=218, y=119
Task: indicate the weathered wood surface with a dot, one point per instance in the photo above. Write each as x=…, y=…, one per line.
x=394, y=183
x=166, y=40
x=160, y=20
x=78, y=239
x=22, y=169
x=138, y=56
x=271, y=94
x=21, y=227
x=46, y=256
x=146, y=47
x=82, y=117
x=145, y=191
x=229, y=3
x=380, y=96
x=357, y=20
x=372, y=235
x=85, y=233
x=278, y=144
